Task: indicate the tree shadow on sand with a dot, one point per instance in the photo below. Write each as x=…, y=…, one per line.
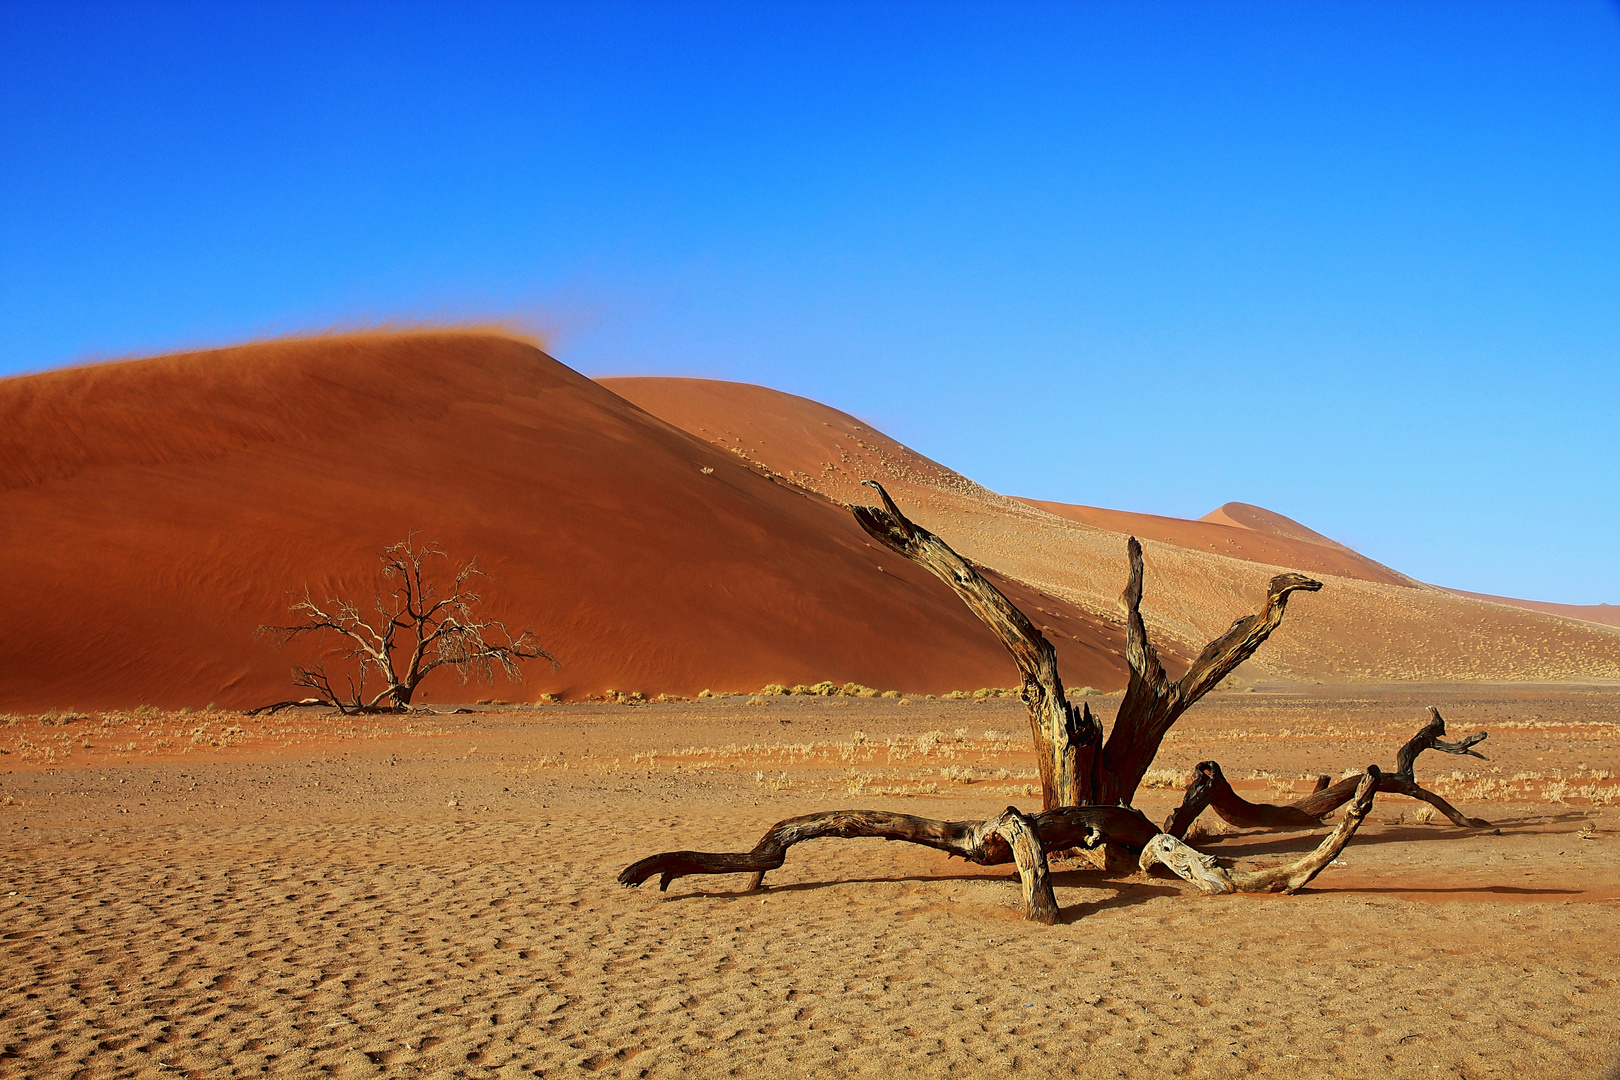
x=1261, y=843
x=1462, y=890
x=1127, y=893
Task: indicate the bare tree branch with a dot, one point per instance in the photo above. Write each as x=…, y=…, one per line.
x=1066, y=739
x=1153, y=702
x=1208, y=787
x=443, y=631
x=1008, y=837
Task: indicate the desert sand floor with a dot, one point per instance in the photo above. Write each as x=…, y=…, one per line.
x=211, y=895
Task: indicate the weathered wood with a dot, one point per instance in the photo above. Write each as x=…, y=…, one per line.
x=1153, y=701
x=1295, y=876
x=976, y=841
x=1209, y=787
x=1016, y=829
x=1168, y=851
x=1020, y=833
x=1066, y=739
x=1332, y=798
x=1200, y=869
x=994, y=842
x=1428, y=738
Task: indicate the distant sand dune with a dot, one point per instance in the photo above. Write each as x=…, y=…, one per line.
x=1230, y=537
x=1607, y=614
x=1370, y=623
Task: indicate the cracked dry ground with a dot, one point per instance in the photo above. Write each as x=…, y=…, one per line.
x=327, y=911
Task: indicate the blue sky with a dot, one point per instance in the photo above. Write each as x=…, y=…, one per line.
x=1356, y=263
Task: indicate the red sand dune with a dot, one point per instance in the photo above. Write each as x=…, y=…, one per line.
x=153, y=512
x=812, y=443
x=1259, y=519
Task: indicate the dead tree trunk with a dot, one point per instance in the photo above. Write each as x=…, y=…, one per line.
x=1210, y=788
x=1153, y=702
x=1066, y=740
x=1076, y=769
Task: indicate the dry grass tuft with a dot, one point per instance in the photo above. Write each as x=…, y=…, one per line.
x=1164, y=778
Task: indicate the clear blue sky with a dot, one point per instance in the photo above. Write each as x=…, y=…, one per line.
x=1356, y=263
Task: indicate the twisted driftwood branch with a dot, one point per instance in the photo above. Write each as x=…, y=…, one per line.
x=1153, y=702
x=1164, y=849
x=1210, y=788
x=1009, y=837
x=1066, y=738
x=1295, y=876
x=1016, y=838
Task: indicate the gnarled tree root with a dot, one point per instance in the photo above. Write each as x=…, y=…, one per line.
x=1187, y=862
x=1009, y=837
x=1210, y=788
x=1021, y=839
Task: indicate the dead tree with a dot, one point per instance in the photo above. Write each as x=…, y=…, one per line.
x=1086, y=785
x=1077, y=768
x=1210, y=788
x=418, y=626
x=1014, y=837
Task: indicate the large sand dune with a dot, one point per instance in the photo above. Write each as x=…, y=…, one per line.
x=1370, y=623
x=154, y=512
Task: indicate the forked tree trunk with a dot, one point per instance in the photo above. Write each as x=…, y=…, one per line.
x=1076, y=768
x=1210, y=788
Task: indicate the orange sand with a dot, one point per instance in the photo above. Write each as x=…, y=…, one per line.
x=433, y=895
